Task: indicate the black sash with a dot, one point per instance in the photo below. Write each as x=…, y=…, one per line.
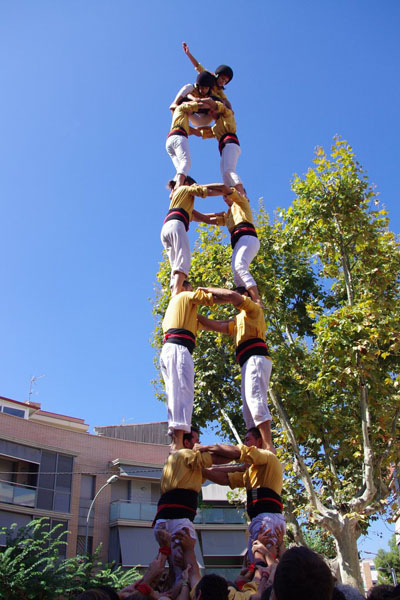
x=177, y=504
x=241, y=229
x=177, y=131
x=183, y=337
x=227, y=138
x=263, y=500
x=251, y=347
x=178, y=214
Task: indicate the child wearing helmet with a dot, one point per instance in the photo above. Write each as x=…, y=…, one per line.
x=223, y=75
x=193, y=92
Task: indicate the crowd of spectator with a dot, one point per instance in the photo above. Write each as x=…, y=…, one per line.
x=277, y=573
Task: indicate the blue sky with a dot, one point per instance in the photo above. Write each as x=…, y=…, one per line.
x=84, y=115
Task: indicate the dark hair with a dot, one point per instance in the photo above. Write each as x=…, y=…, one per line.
x=302, y=572
x=205, y=79
x=380, y=592
x=255, y=432
x=212, y=587
x=188, y=436
x=224, y=70
x=112, y=594
x=171, y=184
x=189, y=180
x=186, y=283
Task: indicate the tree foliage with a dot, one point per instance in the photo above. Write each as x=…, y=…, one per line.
x=386, y=560
x=31, y=567
x=328, y=272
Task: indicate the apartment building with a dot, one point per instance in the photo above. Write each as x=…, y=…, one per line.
x=51, y=466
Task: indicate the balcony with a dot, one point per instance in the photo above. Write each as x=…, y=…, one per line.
x=15, y=493
x=126, y=510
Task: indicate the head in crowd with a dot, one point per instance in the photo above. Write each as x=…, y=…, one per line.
x=188, y=181
x=192, y=438
x=350, y=592
x=301, y=573
x=380, y=592
x=253, y=438
x=212, y=587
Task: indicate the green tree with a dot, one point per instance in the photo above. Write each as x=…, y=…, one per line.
x=328, y=272
x=31, y=567
x=385, y=561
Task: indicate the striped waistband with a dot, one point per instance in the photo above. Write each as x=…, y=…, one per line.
x=227, y=138
x=178, y=214
x=183, y=337
x=251, y=347
x=240, y=230
x=261, y=500
x=178, y=131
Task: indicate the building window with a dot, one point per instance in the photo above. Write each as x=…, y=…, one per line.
x=55, y=482
x=15, y=412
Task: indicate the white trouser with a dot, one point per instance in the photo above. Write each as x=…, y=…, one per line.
x=177, y=370
x=256, y=372
x=270, y=521
x=177, y=147
x=243, y=253
x=229, y=158
x=175, y=240
x=173, y=526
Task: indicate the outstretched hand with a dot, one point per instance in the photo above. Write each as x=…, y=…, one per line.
x=185, y=48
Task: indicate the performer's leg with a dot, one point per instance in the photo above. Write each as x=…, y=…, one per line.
x=176, y=242
x=229, y=157
x=178, y=373
x=256, y=372
x=243, y=253
x=271, y=521
x=178, y=149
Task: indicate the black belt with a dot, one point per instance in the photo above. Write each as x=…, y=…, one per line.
x=240, y=230
x=178, y=214
x=177, y=504
x=183, y=337
x=227, y=138
x=178, y=131
x=251, y=347
x=263, y=500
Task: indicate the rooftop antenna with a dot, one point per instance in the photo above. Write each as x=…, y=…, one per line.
x=33, y=381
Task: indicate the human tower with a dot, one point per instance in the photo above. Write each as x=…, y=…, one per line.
x=203, y=110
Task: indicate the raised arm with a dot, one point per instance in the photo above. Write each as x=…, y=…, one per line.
x=212, y=325
x=216, y=476
x=192, y=59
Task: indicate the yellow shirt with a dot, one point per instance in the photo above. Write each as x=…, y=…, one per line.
x=225, y=123
x=183, y=470
x=184, y=197
x=249, y=323
x=265, y=470
x=182, y=310
x=239, y=212
x=180, y=117
x=216, y=91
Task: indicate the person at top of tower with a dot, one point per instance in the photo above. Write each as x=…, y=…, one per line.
x=177, y=144
x=244, y=241
x=223, y=74
x=202, y=89
x=224, y=130
x=174, y=235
